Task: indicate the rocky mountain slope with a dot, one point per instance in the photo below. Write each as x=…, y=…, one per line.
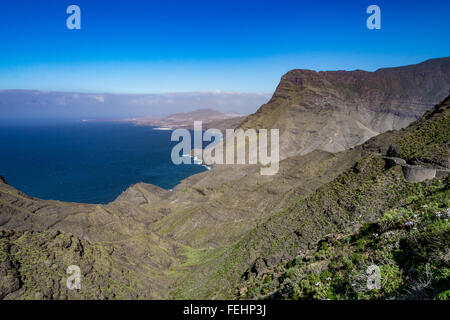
x=336, y=110
x=217, y=230
x=35, y=105
x=118, y=256
x=409, y=241
x=409, y=244
x=360, y=194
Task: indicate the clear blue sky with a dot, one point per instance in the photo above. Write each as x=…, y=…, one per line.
x=242, y=46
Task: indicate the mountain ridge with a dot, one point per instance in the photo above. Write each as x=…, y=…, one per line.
x=336, y=110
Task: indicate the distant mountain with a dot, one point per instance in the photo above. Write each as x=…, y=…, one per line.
x=210, y=118
x=34, y=104
x=336, y=110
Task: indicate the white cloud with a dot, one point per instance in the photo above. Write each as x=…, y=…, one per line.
x=99, y=98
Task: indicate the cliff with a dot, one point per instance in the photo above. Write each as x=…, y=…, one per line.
x=336, y=110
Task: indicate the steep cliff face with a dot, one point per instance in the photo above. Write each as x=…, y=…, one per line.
x=336, y=110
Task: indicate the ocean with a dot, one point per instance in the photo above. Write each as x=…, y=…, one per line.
x=89, y=162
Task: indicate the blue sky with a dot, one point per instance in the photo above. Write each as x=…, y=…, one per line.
x=180, y=46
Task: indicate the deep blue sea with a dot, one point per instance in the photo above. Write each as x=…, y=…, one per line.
x=90, y=162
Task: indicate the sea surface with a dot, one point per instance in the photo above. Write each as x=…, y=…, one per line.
x=89, y=162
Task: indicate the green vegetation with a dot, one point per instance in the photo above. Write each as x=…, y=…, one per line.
x=410, y=244
x=33, y=266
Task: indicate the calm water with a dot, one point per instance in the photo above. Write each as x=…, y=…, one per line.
x=87, y=162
